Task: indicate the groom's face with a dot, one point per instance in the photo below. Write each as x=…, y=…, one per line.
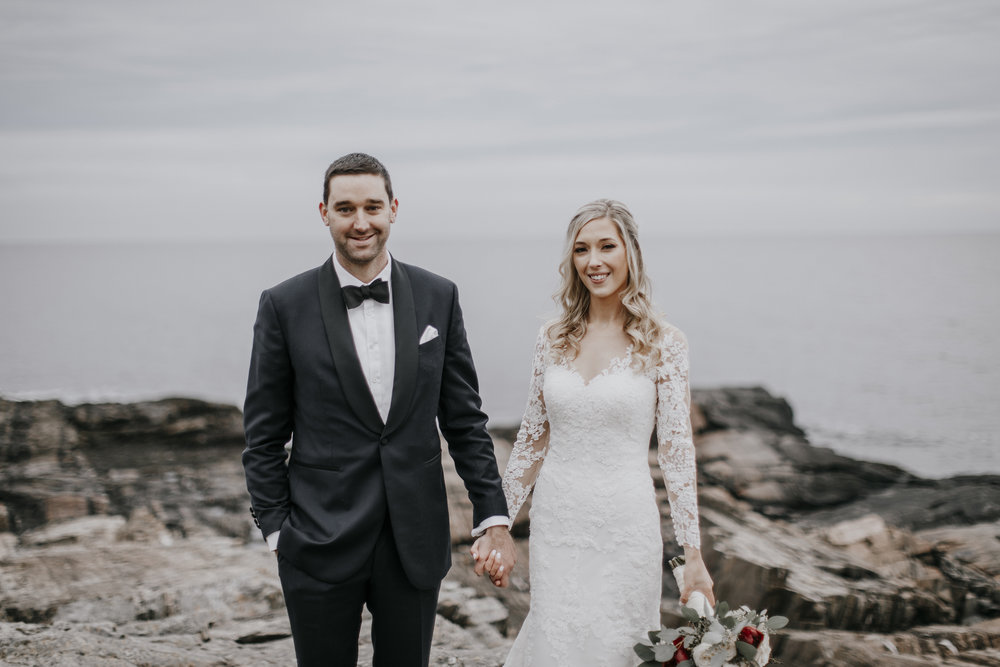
x=359, y=214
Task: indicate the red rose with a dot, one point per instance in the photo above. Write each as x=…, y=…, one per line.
x=751, y=636
x=680, y=655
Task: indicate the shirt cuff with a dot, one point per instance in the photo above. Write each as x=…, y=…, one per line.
x=498, y=520
x=272, y=541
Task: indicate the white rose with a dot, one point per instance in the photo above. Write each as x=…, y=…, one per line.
x=703, y=653
x=763, y=651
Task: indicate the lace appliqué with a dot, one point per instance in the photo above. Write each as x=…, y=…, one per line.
x=596, y=550
x=532, y=437
x=675, y=450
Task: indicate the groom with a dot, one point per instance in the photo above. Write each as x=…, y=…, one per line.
x=354, y=361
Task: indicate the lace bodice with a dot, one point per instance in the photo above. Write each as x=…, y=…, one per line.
x=629, y=422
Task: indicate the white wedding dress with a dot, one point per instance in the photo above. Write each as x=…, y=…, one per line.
x=595, y=549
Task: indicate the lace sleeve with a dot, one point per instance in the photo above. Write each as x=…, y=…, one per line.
x=675, y=445
x=532, y=438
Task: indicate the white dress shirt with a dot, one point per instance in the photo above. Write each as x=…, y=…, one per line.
x=375, y=342
x=374, y=337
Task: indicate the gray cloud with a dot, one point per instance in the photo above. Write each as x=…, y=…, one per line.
x=125, y=120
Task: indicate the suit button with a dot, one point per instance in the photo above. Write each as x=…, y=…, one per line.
x=384, y=441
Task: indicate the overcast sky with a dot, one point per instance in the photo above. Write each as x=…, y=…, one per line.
x=216, y=118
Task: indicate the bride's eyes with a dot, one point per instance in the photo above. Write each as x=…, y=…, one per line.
x=608, y=246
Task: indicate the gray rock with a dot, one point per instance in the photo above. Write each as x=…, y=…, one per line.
x=128, y=542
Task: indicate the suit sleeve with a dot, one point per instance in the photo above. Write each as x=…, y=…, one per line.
x=268, y=419
x=463, y=423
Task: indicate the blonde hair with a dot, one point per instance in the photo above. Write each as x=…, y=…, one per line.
x=642, y=325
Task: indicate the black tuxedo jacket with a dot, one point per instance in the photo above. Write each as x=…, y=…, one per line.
x=348, y=470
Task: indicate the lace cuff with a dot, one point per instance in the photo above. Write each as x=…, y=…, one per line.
x=675, y=445
x=532, y=438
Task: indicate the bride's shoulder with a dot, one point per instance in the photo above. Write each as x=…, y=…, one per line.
x=545, y=338
x=672, y=346
x=670, y=336
x=547, y=333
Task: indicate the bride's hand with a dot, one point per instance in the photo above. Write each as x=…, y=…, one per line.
x=696, y=577
x=495, y=555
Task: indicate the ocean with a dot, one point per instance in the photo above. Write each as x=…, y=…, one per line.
x=885, y=346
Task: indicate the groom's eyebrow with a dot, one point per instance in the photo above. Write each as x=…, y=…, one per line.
x=348, y=202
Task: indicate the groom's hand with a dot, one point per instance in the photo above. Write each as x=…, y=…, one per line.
x=494, y=553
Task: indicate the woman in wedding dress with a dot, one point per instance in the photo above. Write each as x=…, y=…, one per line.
x=603, y=374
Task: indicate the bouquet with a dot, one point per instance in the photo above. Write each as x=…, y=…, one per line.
x=721, y=638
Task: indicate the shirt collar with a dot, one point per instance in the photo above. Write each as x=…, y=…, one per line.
x=346, y=278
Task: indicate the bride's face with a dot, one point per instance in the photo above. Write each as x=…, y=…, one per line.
x=599, y=258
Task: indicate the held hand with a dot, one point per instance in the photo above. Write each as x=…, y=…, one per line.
x=696, y=577
x=494, y=553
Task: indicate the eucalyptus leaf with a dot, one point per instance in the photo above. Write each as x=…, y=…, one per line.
x=746, y=650
x=664, y=652
x=776, y=622
x=644, y=651
x=654, y=636
x=690, y=614
x=728, y=621
x=669, y=635
x=686, y=663
x=651, y=663
x=722, y=609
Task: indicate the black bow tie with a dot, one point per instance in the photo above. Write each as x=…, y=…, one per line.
x=354, y=296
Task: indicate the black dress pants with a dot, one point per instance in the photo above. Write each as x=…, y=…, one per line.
x=326, y=618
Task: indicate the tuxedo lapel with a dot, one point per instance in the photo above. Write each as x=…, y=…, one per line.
x=404, y=318
x=343, y=350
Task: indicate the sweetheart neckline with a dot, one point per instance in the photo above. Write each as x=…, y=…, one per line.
x=615, y=366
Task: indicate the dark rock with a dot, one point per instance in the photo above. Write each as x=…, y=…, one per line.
x=182, y=422
x=132, y=544
x=745, y=409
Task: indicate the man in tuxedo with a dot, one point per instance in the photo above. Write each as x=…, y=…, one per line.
x=353, y=362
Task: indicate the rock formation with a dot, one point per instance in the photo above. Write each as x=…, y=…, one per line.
x=125, y=539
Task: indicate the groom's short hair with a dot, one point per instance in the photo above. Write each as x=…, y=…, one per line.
x=356, y=163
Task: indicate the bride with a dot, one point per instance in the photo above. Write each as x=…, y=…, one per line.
x=604, y=373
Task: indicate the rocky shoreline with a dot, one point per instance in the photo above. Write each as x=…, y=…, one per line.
x=125, y=540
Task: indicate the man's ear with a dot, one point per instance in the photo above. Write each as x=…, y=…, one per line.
x=322, y=213
x=393, y=208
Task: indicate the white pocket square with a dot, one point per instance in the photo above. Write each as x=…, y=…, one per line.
x=429, y=334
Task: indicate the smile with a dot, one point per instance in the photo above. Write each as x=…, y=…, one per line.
x=598, y=277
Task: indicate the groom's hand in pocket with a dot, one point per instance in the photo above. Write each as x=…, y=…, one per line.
x=495, y=554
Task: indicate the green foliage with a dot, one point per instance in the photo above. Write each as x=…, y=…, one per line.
x=776, y=622
x=644, y=652
x=690, y=614
x=664, y=652
x=707, y=630
x=746, y=650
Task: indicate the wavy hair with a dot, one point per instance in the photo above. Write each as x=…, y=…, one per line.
x=642, y=325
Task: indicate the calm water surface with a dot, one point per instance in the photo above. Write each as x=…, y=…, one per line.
x=886, y=347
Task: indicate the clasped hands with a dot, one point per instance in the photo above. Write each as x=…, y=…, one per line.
x=494, y=553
